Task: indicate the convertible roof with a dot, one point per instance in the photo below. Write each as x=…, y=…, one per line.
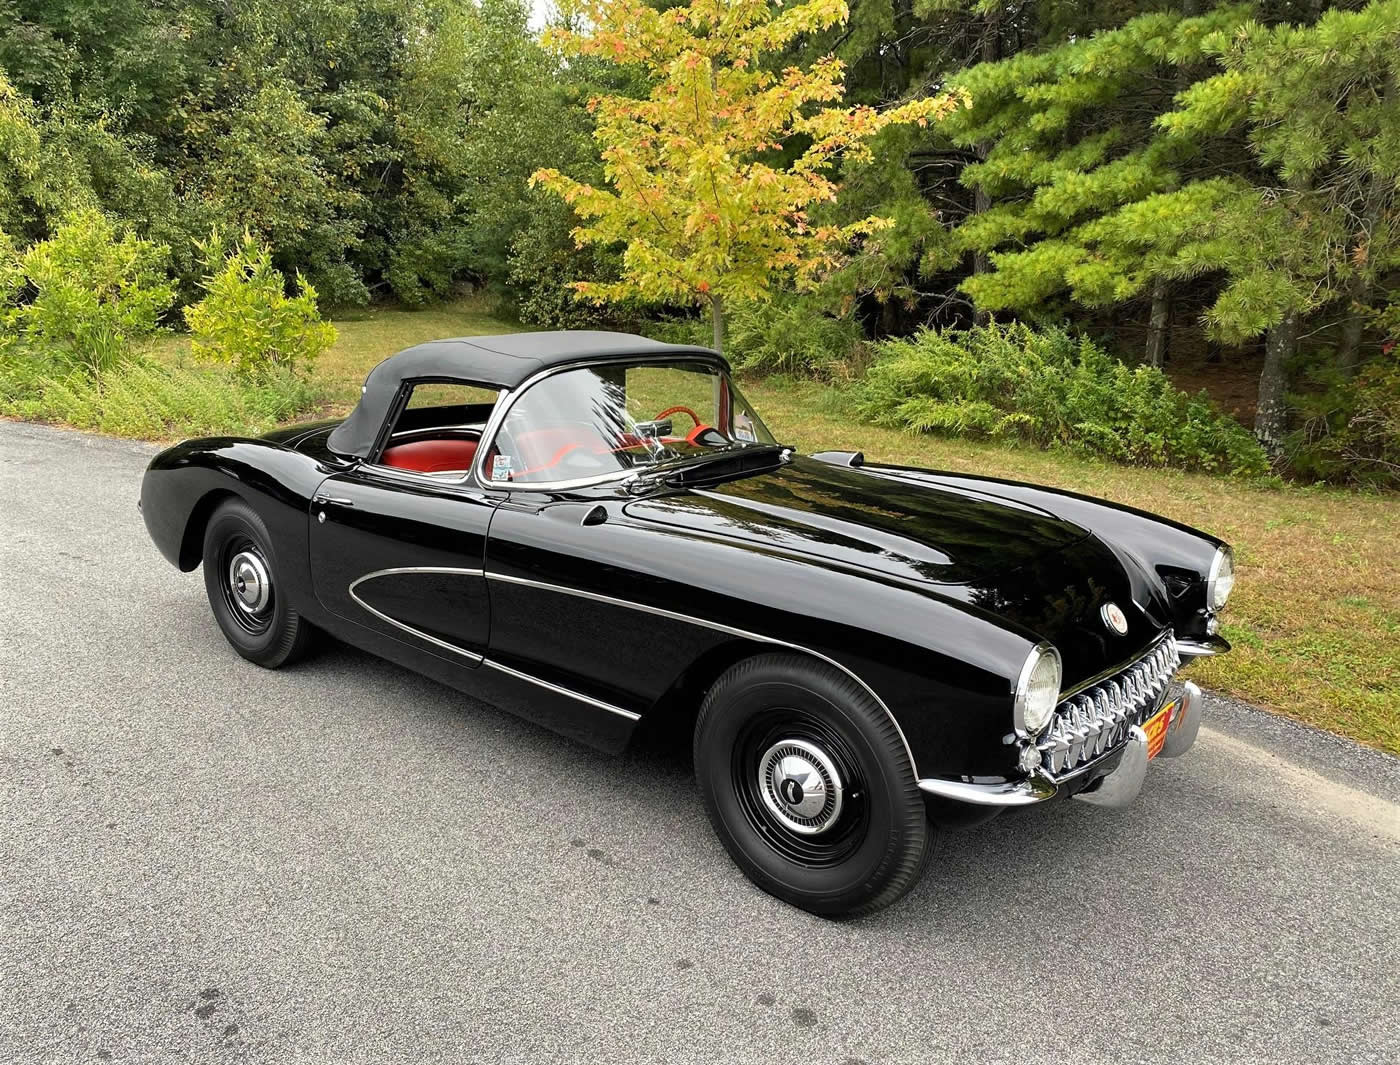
x=504, y=361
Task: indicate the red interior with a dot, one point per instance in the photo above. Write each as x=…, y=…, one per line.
x=540, y=449
x=431, y=456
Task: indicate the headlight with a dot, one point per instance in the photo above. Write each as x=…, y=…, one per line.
x=1222, y=578
x=1037, y=690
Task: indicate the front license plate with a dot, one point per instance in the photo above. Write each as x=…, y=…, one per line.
x=1156, y=729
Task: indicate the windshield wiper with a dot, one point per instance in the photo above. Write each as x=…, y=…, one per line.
x=752, y=458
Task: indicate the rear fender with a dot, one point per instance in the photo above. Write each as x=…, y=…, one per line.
x=185, y=484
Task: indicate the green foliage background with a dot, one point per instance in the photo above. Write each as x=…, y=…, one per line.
x=1162, y=177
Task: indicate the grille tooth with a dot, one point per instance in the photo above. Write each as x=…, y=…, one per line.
x=1097, y=720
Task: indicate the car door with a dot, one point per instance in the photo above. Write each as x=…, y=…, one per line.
x=404, y=554
x=579, y=600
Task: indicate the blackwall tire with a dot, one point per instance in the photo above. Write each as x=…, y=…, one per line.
x=808, y=784
x=242, y=582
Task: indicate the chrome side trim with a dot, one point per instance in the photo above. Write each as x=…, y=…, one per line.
x=660, y=612
x=472, y=655
x=1010, y=793
x=628, y=714
x=469, y=655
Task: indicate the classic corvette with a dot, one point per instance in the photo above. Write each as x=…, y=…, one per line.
x=597, y=531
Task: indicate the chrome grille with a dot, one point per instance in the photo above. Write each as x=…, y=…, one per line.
x=1097, y=719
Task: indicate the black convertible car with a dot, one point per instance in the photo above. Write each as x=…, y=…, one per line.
x=597, y=531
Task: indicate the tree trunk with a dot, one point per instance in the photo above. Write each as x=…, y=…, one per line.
x=1159, y=323
x=981, y=200
x=717, y=320
x=1271, y=415
x=1349, y=348
x=1359, y=288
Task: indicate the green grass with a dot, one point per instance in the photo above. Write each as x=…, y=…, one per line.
x=1315, y=618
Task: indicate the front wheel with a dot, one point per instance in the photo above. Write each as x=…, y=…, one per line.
x=809, y=786
x=242, y=583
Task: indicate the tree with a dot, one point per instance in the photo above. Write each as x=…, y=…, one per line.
x=1320, y=105
x=713, y=177
x=1068, y=138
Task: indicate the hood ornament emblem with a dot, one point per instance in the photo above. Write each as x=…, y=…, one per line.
x=1114, y=618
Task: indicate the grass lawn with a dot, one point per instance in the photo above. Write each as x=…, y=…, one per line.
x=1315, y=618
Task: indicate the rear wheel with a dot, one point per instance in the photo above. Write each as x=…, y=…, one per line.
x=808, y=784
x=241, y=581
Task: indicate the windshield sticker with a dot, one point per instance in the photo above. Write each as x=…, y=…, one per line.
x=500, y=470
x=743, y=427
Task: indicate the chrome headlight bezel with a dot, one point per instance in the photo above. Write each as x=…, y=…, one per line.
x=1221, y=580
x=1026, y=717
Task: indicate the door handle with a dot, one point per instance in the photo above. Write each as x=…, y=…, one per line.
x=338, y=500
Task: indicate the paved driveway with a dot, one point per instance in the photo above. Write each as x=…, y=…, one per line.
x=342, y=862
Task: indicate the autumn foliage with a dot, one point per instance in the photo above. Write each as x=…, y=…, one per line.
x=712, y=178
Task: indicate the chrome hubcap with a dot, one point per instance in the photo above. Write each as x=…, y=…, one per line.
x=800, y=786
x=249, y=582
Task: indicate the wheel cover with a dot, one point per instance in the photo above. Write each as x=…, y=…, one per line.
x=247, y=585
x=800, y=787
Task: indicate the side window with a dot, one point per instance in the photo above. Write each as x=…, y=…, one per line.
x=439, y=429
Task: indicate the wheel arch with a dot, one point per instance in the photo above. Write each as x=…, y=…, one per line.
x=673, y=715
x=192, y=540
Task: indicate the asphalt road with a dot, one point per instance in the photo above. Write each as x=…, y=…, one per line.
x=343, y=862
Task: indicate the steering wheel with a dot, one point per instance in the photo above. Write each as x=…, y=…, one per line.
x=680, y=410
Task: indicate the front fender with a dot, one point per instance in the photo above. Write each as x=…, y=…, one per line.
x=1174, y=556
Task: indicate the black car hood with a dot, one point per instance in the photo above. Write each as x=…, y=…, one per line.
x=942, y=535
x=1019, y=563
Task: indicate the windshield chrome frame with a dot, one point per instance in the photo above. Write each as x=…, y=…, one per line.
x=508, y=398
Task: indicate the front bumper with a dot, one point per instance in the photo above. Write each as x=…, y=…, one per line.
x=1113, y=780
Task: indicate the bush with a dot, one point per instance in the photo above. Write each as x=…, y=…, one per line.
x=790, y=334
x=247, y=321
x=1351, y=429
x=542, y=264
x=1051, y=389
x=94, y=295
x=138, y=398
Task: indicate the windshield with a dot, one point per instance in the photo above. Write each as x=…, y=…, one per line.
x=597, y=421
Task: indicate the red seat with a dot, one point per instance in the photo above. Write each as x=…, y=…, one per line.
x=431, y=456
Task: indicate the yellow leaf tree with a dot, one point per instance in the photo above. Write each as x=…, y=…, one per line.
x=706, y=186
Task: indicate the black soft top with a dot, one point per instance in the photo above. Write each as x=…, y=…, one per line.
x=504, y=361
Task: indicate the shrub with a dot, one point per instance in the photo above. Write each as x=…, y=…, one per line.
x=790, y=334
x=1351, y=429
x=1051, y=389
x=542, y=264
x=95, y=294
x=139, y=398
x=246, y=319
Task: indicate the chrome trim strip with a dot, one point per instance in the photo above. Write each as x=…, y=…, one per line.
x=660, y=612
x=479, y=659
x=1010, y=793
x=563, y=691
x=472, y=655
